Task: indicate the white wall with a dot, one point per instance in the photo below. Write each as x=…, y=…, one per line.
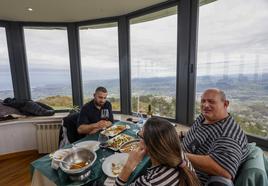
x=20, y=135
x=17, y=137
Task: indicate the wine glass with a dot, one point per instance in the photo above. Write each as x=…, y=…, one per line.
x=103, y=144
x=105, y=114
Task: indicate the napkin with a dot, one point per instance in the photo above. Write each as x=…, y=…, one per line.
x=57, y=157
x=109, y=181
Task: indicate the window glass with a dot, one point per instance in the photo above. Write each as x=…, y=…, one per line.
x=49, y=66
x=100, y=61
x=232, y=56
x=153, y=43
x=6, y=87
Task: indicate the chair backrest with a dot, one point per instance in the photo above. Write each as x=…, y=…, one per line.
x=253, y=171
x=70, y=123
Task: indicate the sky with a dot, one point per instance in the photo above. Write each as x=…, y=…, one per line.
x=232, y=39
x=232, y=33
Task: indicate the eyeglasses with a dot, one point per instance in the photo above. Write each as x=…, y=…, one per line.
x=139, y=136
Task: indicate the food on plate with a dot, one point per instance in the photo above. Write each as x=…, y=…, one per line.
x=78, y=165
x=117, y=168
x=114, y=130
x=113, y=165
x=117, y=141
x=129, y=146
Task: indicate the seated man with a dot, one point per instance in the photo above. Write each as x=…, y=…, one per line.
x=215, y=144
x=90, y=121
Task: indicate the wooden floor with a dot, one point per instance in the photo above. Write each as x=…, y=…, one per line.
x=15, y=169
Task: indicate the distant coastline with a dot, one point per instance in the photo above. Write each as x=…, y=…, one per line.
x=245, y=83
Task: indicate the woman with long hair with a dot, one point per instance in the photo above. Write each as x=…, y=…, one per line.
x=160, y=141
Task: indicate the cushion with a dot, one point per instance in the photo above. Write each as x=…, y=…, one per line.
x=253, y=171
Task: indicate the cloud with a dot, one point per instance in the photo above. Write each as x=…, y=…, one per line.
x=154, y=48
x=231, y=33
x=234, y=26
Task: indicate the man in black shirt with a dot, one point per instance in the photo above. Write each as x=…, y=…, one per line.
x=90, y=121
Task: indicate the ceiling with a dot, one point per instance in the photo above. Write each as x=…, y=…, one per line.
x=68, y=10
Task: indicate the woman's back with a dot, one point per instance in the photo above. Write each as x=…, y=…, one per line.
x=157, y=175
x=160, y=141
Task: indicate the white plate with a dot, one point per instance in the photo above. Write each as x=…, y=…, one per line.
x=117, y=158
x=91, y=145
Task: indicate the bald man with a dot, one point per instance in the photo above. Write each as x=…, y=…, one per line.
x=215, y=144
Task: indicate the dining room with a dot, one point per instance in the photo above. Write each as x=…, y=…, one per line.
x=156, y=58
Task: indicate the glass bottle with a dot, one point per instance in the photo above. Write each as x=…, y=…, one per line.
x=149, y=113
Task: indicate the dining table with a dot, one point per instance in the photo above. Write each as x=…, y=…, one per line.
x=44, y=174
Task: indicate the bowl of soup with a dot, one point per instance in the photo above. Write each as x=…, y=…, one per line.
x=77, y=164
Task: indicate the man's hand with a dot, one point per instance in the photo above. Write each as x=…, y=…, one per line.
x=102, y=124
x=93, y=128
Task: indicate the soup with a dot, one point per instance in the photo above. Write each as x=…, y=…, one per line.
x=78, y=165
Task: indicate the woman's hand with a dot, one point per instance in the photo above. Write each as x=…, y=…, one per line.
x=135, y=157
x=133, y=160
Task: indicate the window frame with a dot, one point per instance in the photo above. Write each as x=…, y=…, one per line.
x=186, y=58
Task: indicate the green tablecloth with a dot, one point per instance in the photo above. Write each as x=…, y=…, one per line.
x=97, y=176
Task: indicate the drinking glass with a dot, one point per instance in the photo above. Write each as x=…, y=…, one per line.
x=103, y=144
x=105, y=114
x=140, y=120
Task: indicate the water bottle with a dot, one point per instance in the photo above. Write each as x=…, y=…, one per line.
x=140, y=120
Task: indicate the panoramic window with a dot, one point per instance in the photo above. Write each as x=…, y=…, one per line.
x=232, y=56
x=6, y=88
x=153, y=44
x=49, y=66
x=100, y=61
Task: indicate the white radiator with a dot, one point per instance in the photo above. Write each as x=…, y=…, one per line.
x=47, y=136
